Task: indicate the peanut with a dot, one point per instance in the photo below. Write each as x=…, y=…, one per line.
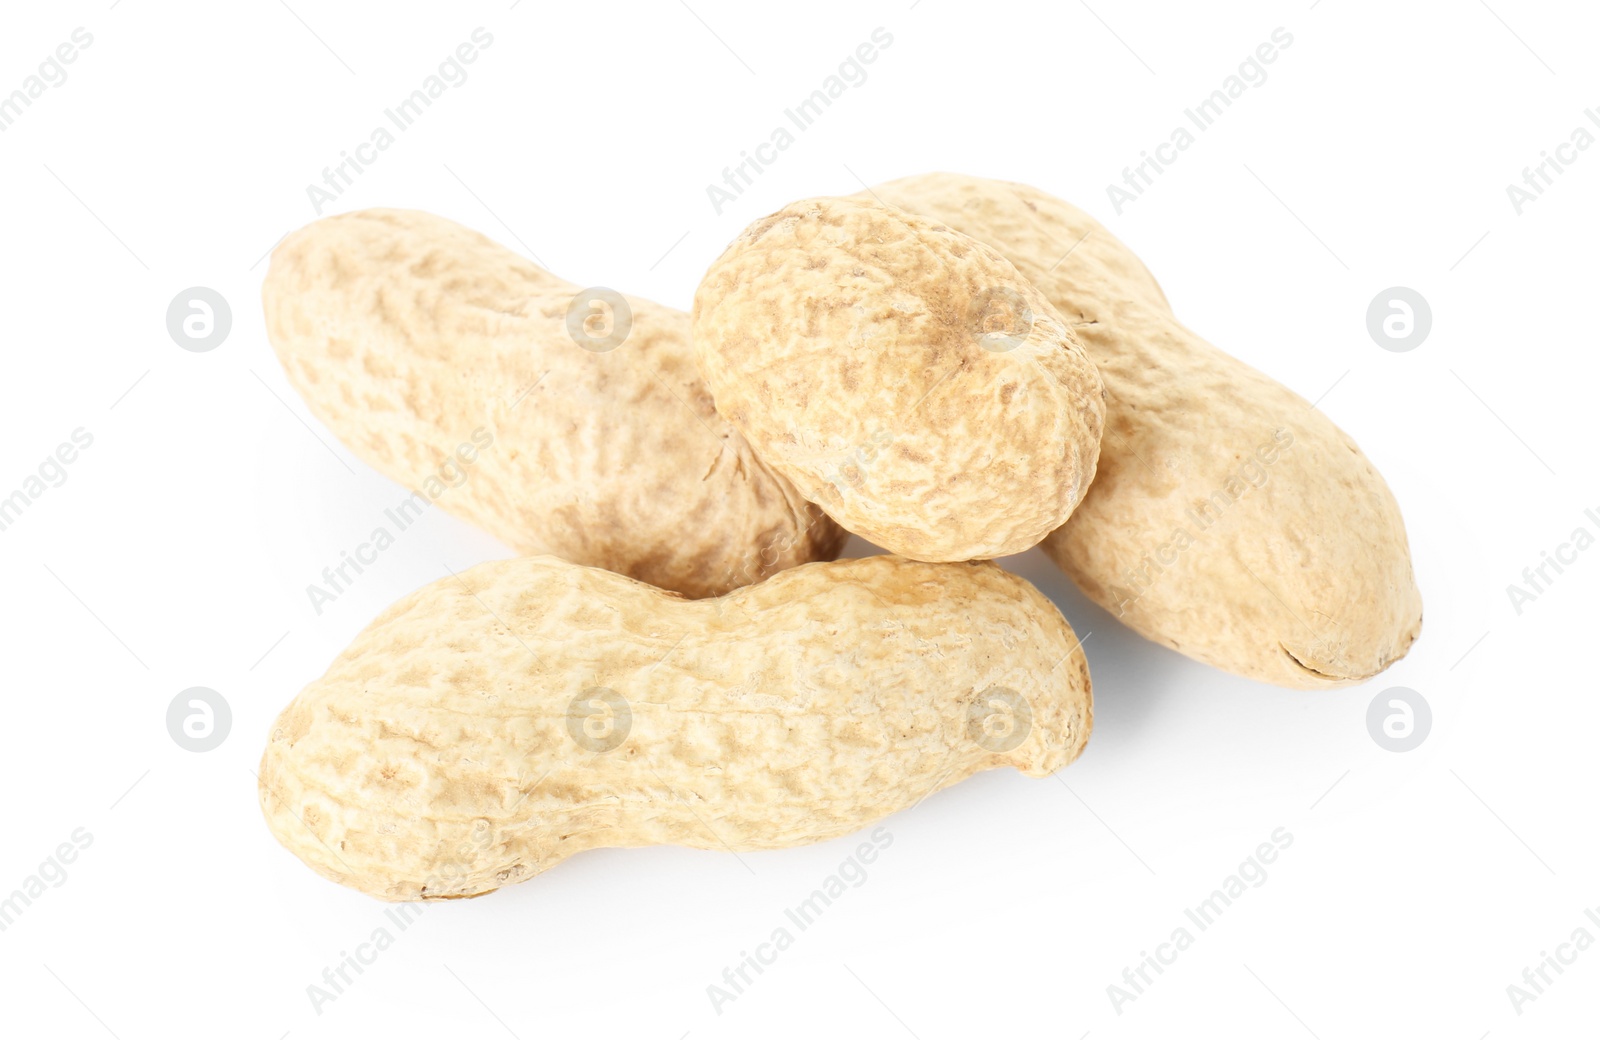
x=486, y=727
x=906, y=378
x=1230, y=520
x=405, y=333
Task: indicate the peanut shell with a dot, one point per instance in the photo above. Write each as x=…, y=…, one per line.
x=490, y=725
x=905, y=378
x=410, y=336
x=1230, y=519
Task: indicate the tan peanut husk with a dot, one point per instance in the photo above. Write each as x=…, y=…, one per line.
x=1230, y=519
x=487, y=727
x=410, y=336
x=904, y=377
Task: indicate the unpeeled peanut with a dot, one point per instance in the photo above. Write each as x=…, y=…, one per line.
x=905, y=378
x=1230, y=519
x=406, y=333
x=487, y=727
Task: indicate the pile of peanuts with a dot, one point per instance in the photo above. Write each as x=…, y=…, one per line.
x=954, y=368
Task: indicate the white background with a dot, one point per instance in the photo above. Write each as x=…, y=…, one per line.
x=177, y=553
